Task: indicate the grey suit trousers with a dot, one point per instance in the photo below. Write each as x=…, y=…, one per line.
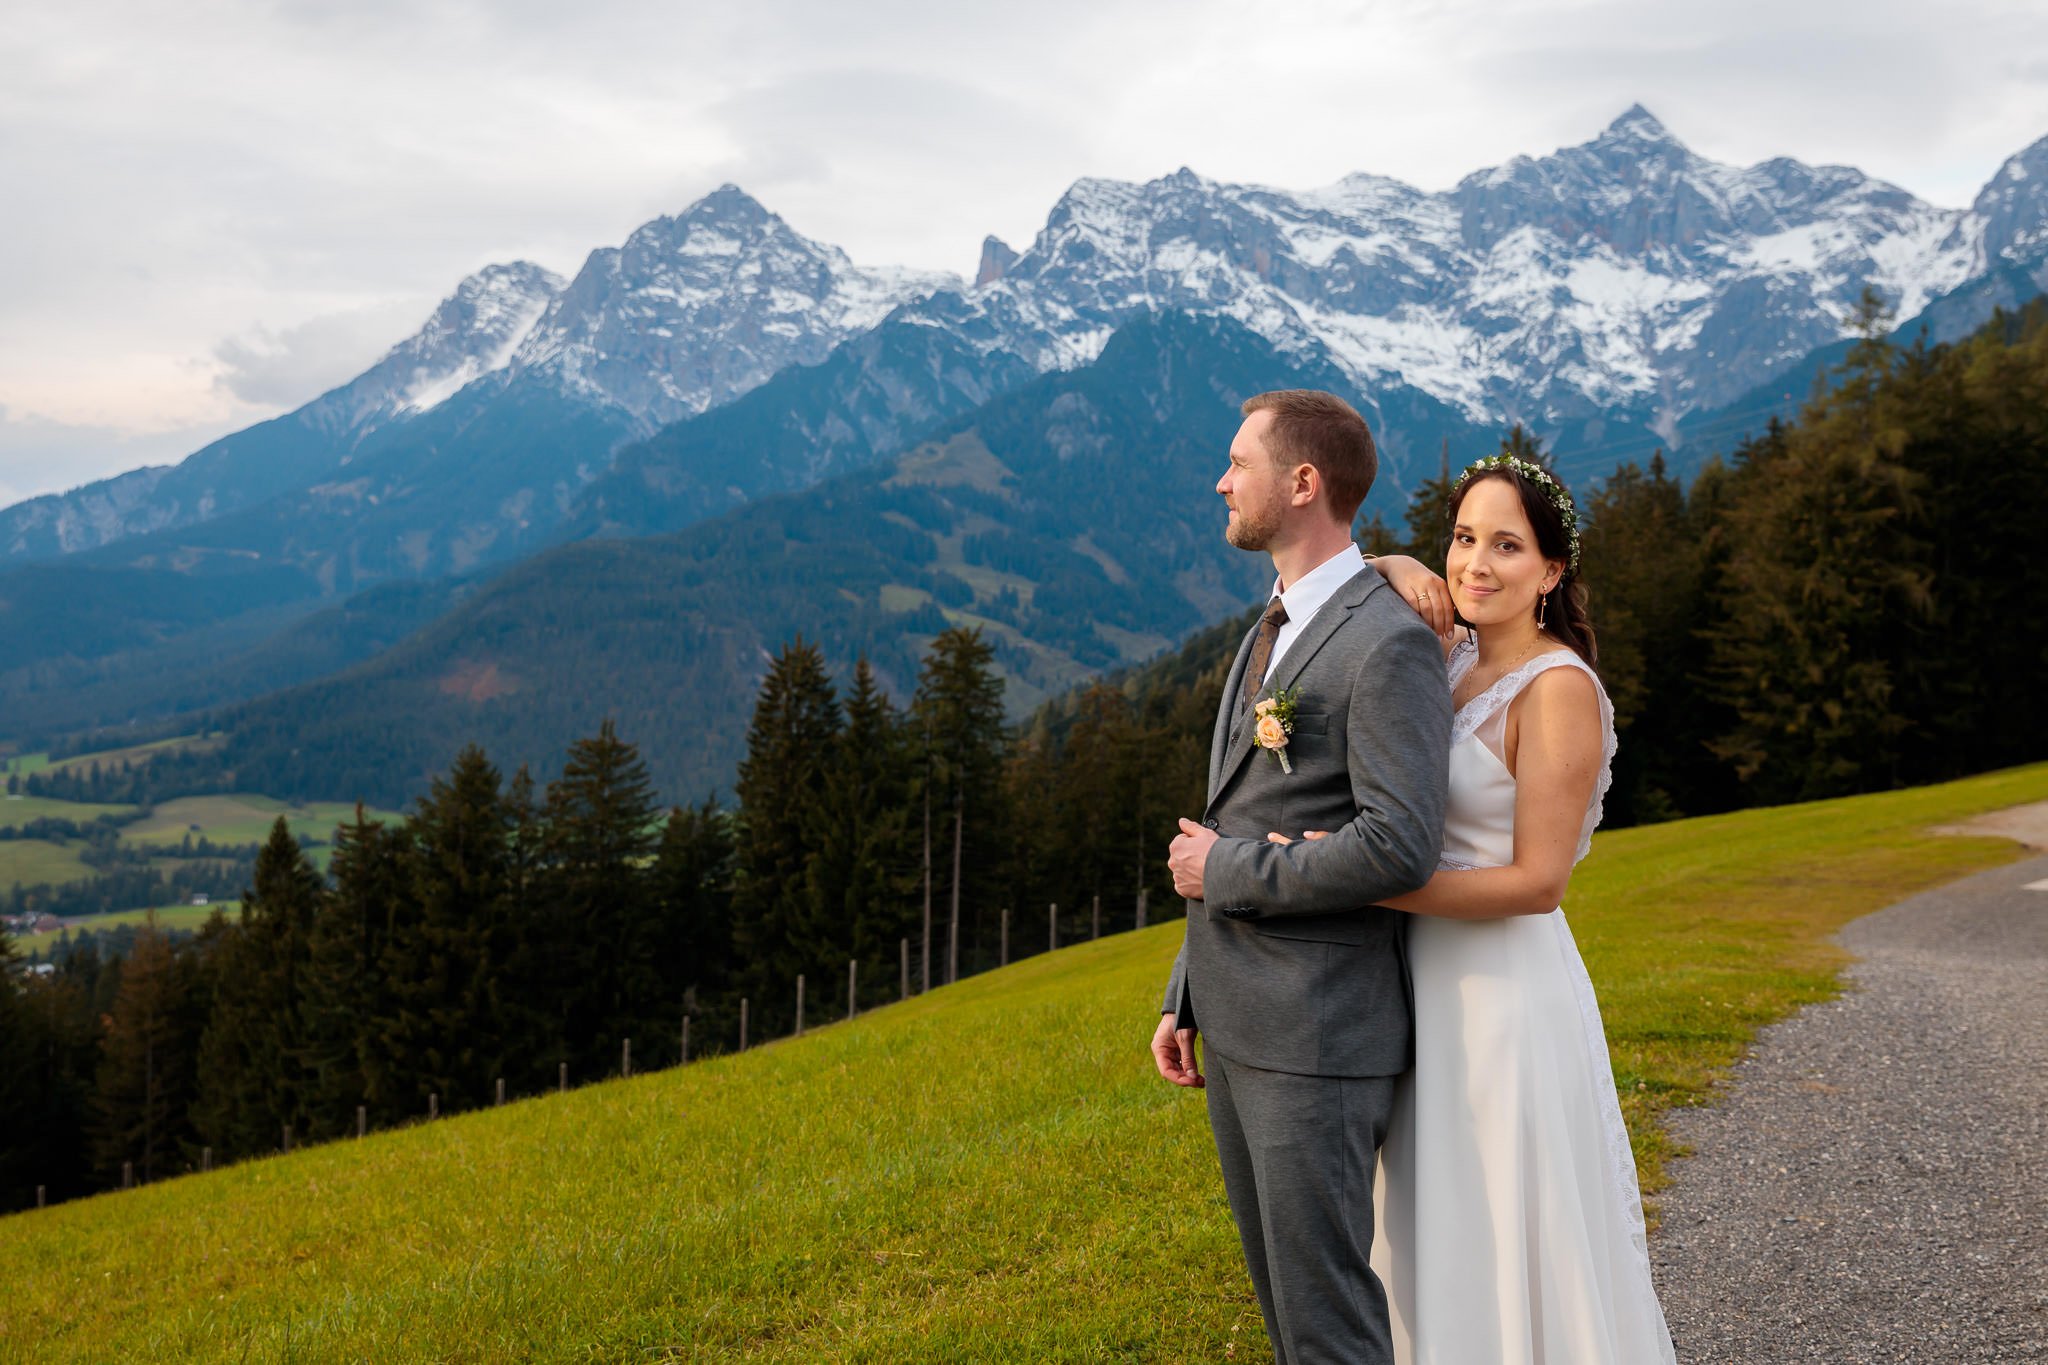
x=1297, y=1154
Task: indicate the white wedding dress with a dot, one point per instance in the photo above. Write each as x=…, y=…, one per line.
x=1510, y=1227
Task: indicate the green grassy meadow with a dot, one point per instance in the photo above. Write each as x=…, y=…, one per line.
x=240, y=818
x=989, y=1172
x=181, y=917
x=32, y=862
x=19, y=810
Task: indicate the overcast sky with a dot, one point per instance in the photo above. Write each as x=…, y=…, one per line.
x=215, y=209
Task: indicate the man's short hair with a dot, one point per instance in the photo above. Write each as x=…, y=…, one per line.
x=1313, y=427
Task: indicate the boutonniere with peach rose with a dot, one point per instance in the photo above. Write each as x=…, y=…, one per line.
x=1275, y=723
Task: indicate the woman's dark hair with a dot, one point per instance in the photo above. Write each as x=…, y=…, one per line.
x=1564, y=610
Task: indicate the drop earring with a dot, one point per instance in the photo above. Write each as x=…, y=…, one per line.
x=1542, y=606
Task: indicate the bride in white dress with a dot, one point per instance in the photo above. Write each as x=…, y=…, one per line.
x=1510, y=1227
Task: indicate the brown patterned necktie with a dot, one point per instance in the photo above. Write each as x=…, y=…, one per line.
x=1262, y=653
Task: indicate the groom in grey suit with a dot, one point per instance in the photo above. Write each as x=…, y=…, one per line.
x=1289, y=966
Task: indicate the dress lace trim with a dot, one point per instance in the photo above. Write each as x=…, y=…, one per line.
x=1504, y=690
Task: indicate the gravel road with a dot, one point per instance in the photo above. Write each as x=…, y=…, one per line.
x=1874, y=1188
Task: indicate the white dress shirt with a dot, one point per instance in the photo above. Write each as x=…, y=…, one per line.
x=1308, y=594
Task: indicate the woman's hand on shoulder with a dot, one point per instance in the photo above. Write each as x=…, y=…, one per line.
x=1422, y=588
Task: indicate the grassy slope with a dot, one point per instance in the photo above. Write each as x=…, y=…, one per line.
x=989, y=1172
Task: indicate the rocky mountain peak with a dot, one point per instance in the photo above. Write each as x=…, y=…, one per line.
x=696, y=308
x=1637, y=124
x=997, y=256
x=473, y=332
x=2013, y=206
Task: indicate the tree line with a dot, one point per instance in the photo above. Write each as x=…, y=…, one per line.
x=1831, y=610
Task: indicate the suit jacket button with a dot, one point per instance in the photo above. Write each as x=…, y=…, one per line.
x=1209, y=823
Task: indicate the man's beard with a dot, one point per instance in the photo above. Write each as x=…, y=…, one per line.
x=1246, y=534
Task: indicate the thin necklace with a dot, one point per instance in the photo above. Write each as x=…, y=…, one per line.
x=1502, y=672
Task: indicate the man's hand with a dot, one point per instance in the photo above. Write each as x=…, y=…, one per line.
x=1187, y=855
x=1173, y=1051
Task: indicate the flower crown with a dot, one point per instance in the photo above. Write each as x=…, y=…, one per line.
x=1551, y=489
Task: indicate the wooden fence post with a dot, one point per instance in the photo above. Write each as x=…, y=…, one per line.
x=39, y=1196
x=1095, y=918
x=1052, y=926
x=206, y=1158
x=852, y=985
x=799, y=1004
x=686, y=1037
x=1003, y=958
x=127, y=1175
x=904, y=946
x=562, y=1077
x=1141, y=907
x=362, y=1121
x=501, y=1090
x=287, y=1138
x=743, y=1023
x=626, y=1057
x=433, y=1104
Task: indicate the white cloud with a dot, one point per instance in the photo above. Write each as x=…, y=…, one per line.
x=211, y=205
x=284, y=368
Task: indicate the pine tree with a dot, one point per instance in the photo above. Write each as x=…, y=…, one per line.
x=345, y=987
x=601, y=833
x=541, y=964
x=1822, y=570
x=959, y=711
x=692, y=885
x=49, y=1046
x=1643, y=571
x=862, y=883
x=1100, y=791
x=1966, y=672
x=796, y=723
x=145, y=1082
x=443, y=1033
x=251, y=1081
x=1429, y=516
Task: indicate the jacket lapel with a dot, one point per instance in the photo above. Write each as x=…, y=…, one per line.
x=1226, y=711
x=1324, y=624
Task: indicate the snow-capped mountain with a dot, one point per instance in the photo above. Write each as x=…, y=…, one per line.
x=690, y=312
x=696, y=309
x=1627, y=281
x=1628, y=274
x=471, y=333
x=2013, y=208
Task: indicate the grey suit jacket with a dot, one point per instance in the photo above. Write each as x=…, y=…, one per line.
x=1289, y=964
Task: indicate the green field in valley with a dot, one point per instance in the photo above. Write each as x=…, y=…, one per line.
x=181, y=917
x=31, y=862
x=989, y=1172
x=240, y=818
x=19, y=810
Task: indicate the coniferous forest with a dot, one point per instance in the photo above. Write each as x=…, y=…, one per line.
x=1840, y=606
